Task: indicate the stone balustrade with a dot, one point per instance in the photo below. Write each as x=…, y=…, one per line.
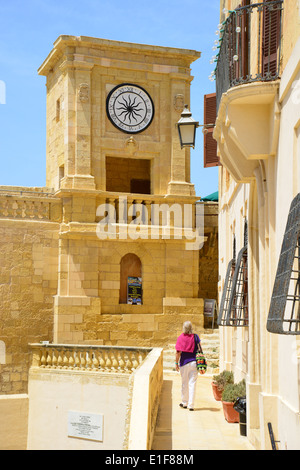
x=116, y=215
x=35, y=207
x=87, y=358
x=125, y=208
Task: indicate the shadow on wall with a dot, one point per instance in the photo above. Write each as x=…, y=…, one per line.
x=163, y=433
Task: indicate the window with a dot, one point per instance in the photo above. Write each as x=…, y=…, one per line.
x=223, y=313
x=271, y=39
x=234, y=303
x=284, y=312
x=140, y=186
x=61, y=173
x=128, y=175
x=251, y=30
x=239, y=42
x=57, y=110
x=130, y=266
x=237, y=313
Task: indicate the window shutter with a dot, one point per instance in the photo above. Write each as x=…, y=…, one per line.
x=238, y=43
x=210, y=144
x=270, y=40
x=245, y=39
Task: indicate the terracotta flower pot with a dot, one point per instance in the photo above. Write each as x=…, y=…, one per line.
x=231, y=415
x=217, y=393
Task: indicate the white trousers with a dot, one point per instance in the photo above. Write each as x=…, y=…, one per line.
x=189, y=377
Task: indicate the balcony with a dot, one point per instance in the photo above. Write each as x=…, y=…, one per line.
x=109, y=215
x=247, y=88
x=250, y=47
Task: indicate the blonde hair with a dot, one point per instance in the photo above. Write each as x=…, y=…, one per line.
x=187, y=328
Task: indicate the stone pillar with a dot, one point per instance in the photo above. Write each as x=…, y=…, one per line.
x=83, y=178
x=179, y=184
x=69, y=129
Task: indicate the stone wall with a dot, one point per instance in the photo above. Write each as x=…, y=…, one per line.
x=68, y=291
x=208, y=256
x=120, y=384
x=28, y=282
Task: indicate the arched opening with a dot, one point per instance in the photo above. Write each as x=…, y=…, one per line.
x=130, y=267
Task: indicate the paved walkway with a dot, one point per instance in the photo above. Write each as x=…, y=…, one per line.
x=205, y=428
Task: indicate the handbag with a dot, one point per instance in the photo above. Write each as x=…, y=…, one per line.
x=200, y=360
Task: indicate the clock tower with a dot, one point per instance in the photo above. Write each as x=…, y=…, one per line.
x=114, y=100
x=113, y=154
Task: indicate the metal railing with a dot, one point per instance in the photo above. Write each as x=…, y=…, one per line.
x=250, y=46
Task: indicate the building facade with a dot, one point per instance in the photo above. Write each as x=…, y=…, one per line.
x=257, y=134
x=108, y=252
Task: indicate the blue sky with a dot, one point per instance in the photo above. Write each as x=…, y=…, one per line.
x=27, y=32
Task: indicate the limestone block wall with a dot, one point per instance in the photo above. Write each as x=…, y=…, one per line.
x=55, y=122
x=28, y=282
x=208, y=255
x=60, y=282
x=88, y=308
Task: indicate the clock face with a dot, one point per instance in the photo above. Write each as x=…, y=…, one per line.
x=130, y=108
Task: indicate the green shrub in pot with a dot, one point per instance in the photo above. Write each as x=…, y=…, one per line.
x=232, y=391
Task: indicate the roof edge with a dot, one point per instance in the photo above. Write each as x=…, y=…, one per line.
x=64, y=41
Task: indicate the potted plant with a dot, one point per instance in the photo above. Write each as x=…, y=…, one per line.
x=229, y=396
x=219, y=383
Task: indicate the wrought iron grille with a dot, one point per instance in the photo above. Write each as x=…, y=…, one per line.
x=234, y=302
x=284, y=312
x=250, y=46
x=237, y=313
x=223, y=312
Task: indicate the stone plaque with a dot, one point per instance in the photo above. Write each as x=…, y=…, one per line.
x=85, y=425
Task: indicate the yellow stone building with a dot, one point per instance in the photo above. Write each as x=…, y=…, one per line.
x=257, y=132
x=112, y=149
x=118, y=204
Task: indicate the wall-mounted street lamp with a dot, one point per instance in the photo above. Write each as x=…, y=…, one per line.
x=187, y=128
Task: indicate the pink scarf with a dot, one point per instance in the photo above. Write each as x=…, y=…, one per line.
x=185, y=343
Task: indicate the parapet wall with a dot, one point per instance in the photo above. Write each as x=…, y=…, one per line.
x=71, y=387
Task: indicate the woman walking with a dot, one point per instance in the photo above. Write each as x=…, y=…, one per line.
x=187, y=345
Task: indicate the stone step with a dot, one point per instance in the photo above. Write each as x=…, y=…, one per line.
x=209, y=354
